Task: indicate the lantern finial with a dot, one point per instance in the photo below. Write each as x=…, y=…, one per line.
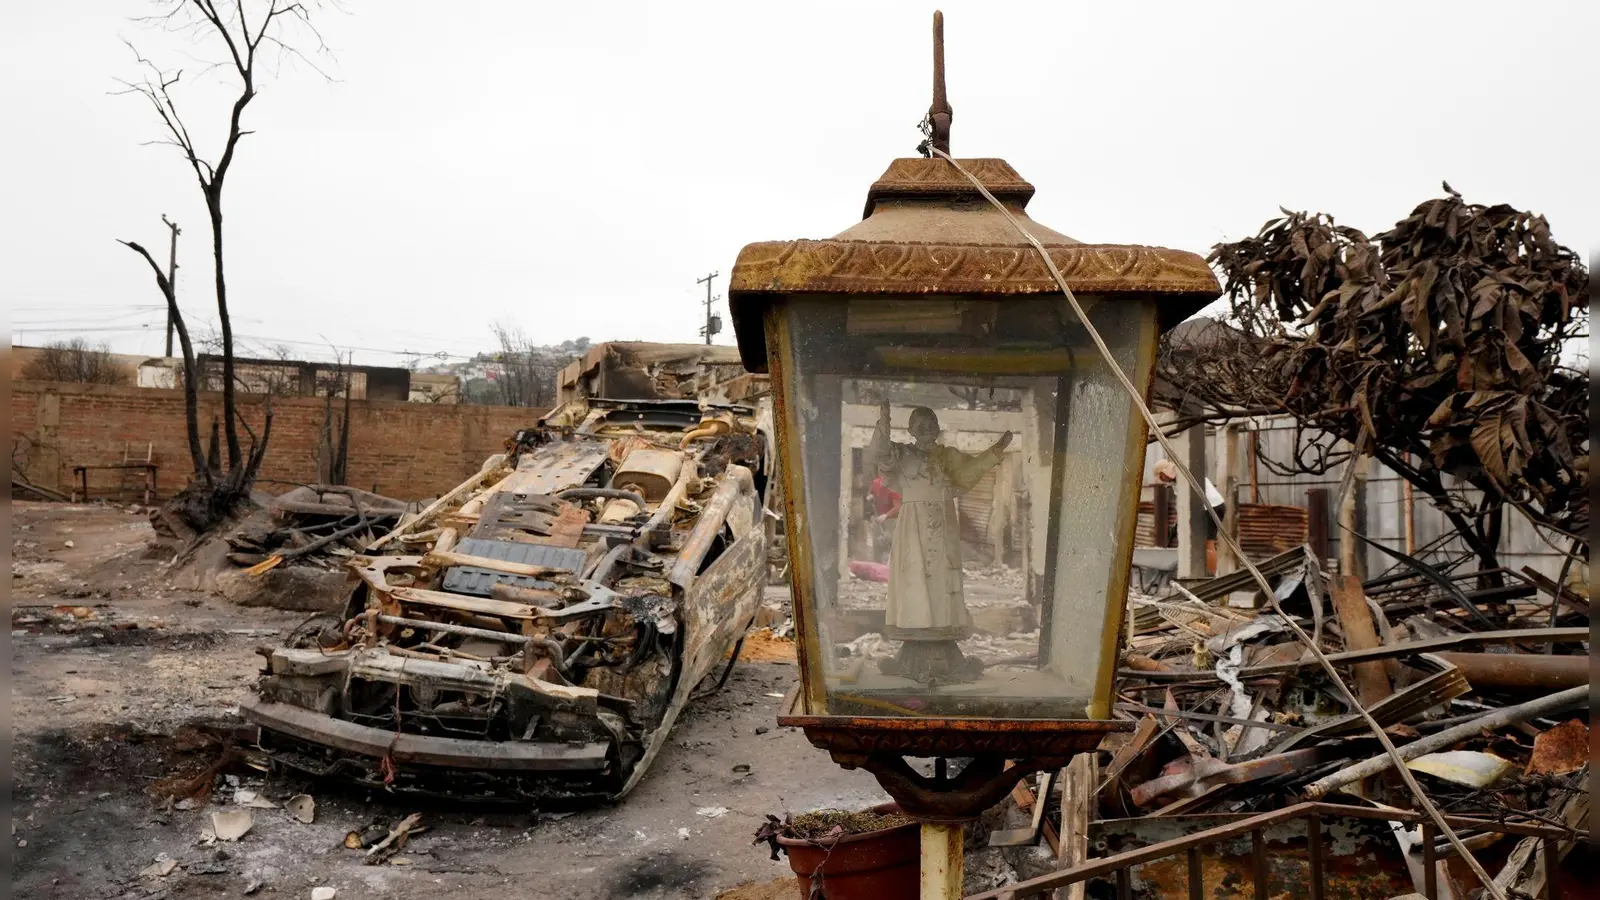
x=939, y=113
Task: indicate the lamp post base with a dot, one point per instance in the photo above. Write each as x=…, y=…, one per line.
x=943, y=860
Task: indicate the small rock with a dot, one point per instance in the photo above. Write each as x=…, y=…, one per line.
x=252, y=886
x=161, y=868
x=742, y=769
x=69, y=545
x=762, y=729
x=683, y=834
x=184, y=804
x=324, y=893
x=712, y=812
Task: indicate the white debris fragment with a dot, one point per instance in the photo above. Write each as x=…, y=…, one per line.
x=252, y=799
x=303, y=807
x=324, y=893
x=712, y=812
x=683, y=834
x=232, y=825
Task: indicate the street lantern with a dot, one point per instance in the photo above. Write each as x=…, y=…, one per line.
x=929, y=351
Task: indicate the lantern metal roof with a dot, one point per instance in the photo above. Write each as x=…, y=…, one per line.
x=927, y=230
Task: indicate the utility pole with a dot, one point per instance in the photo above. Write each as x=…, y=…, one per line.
x=713, y=323
x=172, y=276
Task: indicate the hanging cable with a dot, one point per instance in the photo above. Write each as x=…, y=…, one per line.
x=1261, y=580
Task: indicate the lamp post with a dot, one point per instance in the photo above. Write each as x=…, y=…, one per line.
x=875, y=340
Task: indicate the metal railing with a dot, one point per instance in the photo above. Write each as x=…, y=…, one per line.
x=1121, y=865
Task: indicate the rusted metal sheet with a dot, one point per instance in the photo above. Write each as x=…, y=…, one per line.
x=1266, y=531
x=1560, y=750
x=976, y=506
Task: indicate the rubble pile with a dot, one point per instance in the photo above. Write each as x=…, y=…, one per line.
x=1479, y=677
x=314, y=525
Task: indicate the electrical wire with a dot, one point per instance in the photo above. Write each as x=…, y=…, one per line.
x=1222, y=533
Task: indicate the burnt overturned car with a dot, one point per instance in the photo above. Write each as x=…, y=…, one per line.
x=532, y=635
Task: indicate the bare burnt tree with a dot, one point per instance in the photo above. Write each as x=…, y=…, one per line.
x=249, y=36
x=75, y=361
x=1435, y=347
x=526, y=373
x=203, y=470
x=333, y=451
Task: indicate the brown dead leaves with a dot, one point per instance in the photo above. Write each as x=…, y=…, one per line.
x=1442, y=337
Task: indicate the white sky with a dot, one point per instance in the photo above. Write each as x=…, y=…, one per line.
x=573, y=168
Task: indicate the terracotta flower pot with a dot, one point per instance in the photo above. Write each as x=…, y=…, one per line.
x=878, y=865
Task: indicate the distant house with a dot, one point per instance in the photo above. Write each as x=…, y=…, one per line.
x=639, y=370
x=307, y=379
x=429, y=387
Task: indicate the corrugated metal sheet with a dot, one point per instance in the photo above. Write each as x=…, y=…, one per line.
x=1520, y=544
x=475, y=581
x=1264, y=529
x=1144, y=529
x=1269, y=530
x=976, y=506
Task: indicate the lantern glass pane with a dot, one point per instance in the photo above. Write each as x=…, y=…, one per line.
x=966, y=556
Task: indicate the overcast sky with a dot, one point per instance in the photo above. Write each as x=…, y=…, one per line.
x=573, y=168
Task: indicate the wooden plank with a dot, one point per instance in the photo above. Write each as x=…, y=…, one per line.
x=1355, y=620
x=444, y=558
x=1078, y=793
x=1143, y=733
x=463, y=603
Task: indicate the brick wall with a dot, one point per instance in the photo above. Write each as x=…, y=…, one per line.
x=406, y=450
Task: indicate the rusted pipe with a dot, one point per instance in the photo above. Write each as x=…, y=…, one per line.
x=713, y=517
x=1520, y=671
x=1499, y=718
x=602, y=569
x=706, y=428
x=549, y=646
x=463, y=630
x=1409, y=505
x=515, y=593
x=606, y=493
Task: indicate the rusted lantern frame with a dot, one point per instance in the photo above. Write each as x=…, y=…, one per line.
x=939, y=237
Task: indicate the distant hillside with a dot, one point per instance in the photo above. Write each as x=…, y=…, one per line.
x=520, y=373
